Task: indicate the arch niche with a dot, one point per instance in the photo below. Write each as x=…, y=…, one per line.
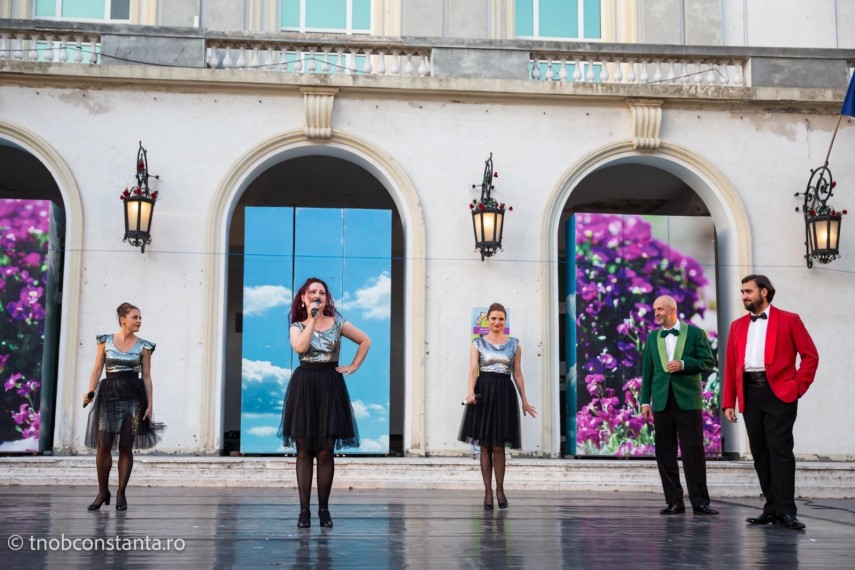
x=346, y=155
x=690, y=179
x=37, y=171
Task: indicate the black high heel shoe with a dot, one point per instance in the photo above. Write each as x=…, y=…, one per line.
x=502, y=504
x=121, y=503
x=304, y=520
x=488, y=506
x=325, y=518
x=96, y=504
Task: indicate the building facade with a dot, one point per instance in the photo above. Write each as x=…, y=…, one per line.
x=715, y=110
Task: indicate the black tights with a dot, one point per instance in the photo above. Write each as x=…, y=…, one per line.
x=493, y=460
x=326, y=472
x=104, y=459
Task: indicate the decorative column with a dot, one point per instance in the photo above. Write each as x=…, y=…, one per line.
x=645, y=117
x=319, y=110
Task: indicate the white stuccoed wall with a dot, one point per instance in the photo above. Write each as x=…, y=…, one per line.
x=193, y=139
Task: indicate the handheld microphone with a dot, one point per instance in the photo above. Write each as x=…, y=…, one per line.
x=317, y=305
x=90, y=396
x=465, y=403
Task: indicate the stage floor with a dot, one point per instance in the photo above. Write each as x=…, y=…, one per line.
x=256, y=528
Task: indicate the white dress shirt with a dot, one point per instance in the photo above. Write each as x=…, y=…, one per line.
x=671, y=341
x=755, y=348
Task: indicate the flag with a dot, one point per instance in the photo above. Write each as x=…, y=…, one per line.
x=849, y=102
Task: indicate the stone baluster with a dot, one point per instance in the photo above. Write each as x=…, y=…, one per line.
x=228, y=62
x=672, y=75
x=699, y=72
x=409, y=70
x=4, y=46
x=19, y=47
x=311, y=65
x=352, y=66
x=577, y=71
x=550, y=75
x=254, y=60
x=562, y=75
x=396, y=64
x=63, y=49
x=604, y=71
x=367, y=68
x=78, y=49
x=49, y=49
x=33, y=51
x=589, y=76
x=712, y=76
x=535, y=69
x=325, y=64
x=739, y=78
x=214, y=57
x=381, y=63
x=657, y=74
x=241, y=60
x=619, y=76
x=424, y=66
x=93, y=47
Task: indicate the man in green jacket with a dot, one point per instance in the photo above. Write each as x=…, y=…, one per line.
x=674, y=357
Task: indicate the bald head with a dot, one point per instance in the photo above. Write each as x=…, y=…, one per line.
x=665, y=311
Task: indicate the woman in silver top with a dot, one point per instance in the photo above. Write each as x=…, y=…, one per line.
x=122, y=413
x=492, y=418
x=317, y=416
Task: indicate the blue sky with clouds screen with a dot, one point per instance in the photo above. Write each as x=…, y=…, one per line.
x=350, y=249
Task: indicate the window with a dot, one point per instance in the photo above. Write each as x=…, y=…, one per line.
x=97, y=10
x=557, y=19
x=347, y=16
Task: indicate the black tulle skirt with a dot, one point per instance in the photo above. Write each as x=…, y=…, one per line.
x=119, y=405
x=317, y=411
x=494, y=421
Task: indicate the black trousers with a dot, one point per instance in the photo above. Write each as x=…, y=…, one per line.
x=769, y=422
x=685, y=426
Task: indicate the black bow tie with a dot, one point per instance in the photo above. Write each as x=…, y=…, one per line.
x=665, y=333
x=760, y=316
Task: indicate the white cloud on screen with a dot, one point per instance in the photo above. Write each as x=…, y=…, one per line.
x=380, y=445
x=261, y=298
x=263, y=431
x=363, y=411
x=260, y=370
x=374, y=300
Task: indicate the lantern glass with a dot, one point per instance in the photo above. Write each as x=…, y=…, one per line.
x=824, y=233
x=487, y=225
x=138, y=214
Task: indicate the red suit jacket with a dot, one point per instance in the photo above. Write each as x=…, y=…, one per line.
x=786, y=336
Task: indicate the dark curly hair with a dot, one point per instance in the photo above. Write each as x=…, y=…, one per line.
x=298, y=310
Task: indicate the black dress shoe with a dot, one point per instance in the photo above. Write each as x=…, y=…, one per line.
x=325, y=518
x=673, y=509
x=101, y=499
x=765, y=518
x=790, y=521
x=304, y=520
x=704, y=510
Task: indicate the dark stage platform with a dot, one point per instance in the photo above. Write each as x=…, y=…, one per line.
x=256, y=528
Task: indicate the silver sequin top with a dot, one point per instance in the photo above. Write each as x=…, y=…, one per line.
x=326, y=344
x=118, y=362
x=493, y=358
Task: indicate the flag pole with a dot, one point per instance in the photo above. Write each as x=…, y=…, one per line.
x=839, y=118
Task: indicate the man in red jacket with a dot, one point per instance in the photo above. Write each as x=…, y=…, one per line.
x=760, y=373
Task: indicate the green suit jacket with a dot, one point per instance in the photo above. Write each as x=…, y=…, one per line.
x=694, y=350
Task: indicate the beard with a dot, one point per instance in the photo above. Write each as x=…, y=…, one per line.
x=752, y=306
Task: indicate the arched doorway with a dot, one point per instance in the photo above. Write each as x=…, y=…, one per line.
x=621, y=186
x=330, y=218
x=409, y=320
x=32, y=248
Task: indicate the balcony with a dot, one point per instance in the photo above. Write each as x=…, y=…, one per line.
x=30, y=47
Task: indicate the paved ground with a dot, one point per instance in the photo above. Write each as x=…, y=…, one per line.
x=256, y=528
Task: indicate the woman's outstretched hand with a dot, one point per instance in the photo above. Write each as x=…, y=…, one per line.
x=529, y=409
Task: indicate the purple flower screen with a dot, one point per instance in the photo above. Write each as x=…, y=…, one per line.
x=24, y=232
x=622, y=264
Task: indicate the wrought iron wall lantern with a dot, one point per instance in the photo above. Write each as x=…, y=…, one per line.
x=139, y=199
x=822, y=222
x=488, y=215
